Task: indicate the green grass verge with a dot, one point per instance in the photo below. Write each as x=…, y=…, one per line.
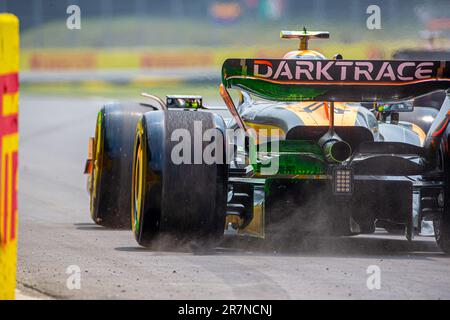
x=165, y=32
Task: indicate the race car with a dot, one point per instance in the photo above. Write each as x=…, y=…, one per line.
x=313, y=146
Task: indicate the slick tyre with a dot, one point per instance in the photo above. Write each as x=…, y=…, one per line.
x=110, y=181
x=181, y=200
x=441, y=223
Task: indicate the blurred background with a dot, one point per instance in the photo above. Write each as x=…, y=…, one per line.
x=178, y=46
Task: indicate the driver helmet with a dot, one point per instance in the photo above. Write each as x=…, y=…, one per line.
x=304, y=55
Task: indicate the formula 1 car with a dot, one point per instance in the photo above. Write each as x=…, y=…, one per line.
x=321, y=148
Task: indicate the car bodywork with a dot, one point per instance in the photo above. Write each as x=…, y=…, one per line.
x=324, y=148
x=386, y=157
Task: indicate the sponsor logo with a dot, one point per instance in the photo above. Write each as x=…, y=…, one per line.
x=343, y=70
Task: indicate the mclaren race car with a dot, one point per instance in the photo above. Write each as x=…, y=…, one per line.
x=313, y=146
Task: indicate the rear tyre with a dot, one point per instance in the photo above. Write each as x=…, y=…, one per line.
x=110, y=180
x=441, y=223
x=181, y=200
x=442, y=233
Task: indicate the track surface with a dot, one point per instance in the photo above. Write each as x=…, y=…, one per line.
x=56, y=232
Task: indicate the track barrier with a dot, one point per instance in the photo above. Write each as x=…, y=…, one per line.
x=9, y=143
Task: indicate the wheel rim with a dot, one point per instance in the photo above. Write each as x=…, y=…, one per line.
x=97, y=162
x=137, y=193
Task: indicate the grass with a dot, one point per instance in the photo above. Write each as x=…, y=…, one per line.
x=162, y=32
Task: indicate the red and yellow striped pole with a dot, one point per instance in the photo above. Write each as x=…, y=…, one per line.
x=9, y=143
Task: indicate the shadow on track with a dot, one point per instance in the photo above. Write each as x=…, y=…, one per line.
x=169, y=245
x=93, y=227
x=379, y=246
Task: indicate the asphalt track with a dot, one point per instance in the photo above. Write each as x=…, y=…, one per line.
x=56, y=232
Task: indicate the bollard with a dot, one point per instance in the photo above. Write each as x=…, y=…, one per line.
x=9, y=142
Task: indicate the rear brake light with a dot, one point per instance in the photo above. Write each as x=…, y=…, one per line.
x=88, y=164
x=88, y=167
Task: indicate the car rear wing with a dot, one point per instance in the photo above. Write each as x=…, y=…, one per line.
x=336, y=80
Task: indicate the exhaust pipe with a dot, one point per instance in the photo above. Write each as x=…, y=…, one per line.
x=334, y=148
